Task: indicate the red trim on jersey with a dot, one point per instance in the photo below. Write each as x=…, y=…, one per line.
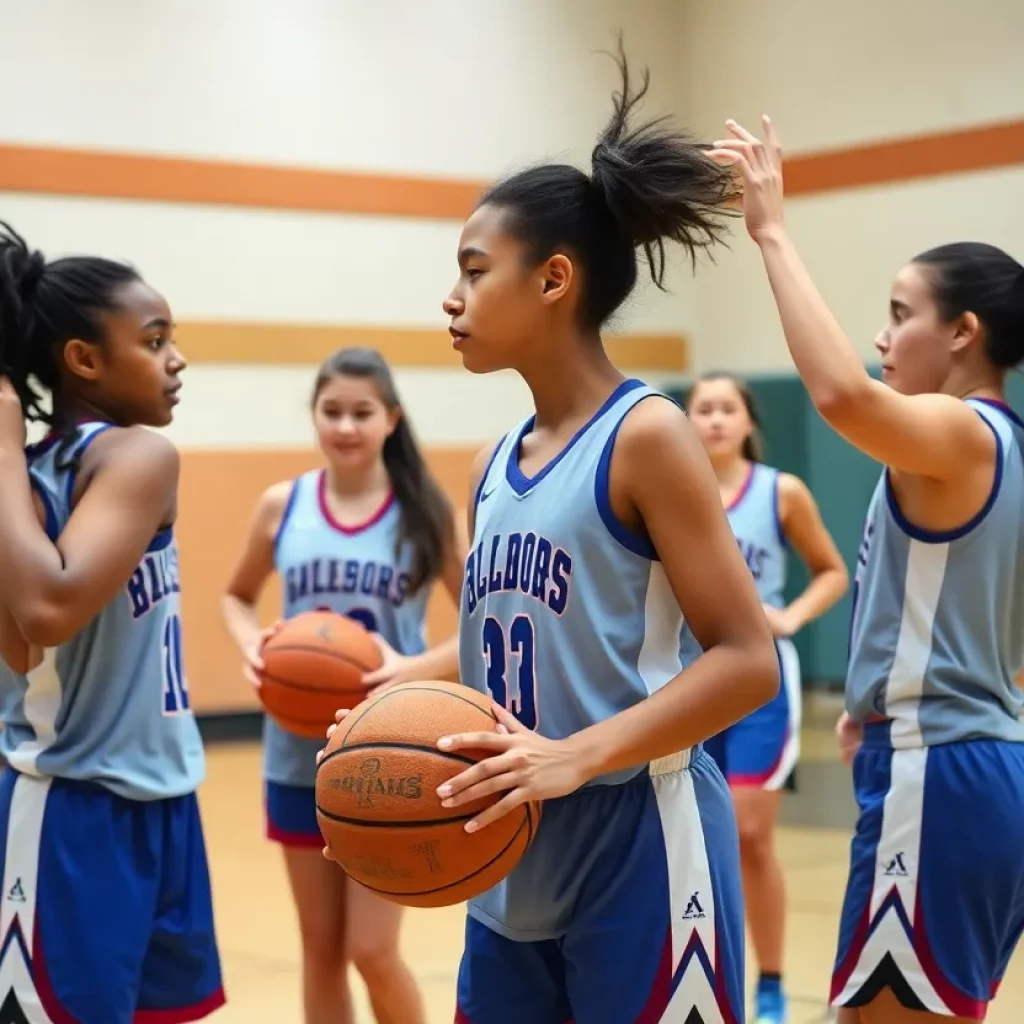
x=349, y=531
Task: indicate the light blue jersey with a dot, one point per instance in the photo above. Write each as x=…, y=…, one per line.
x=355, y=571
x=754, y=518
x=938, y=624
x=567, y=617
x=110, y=705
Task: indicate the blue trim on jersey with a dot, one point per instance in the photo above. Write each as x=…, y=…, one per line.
x=286, y=515
x=49, y=512
x=487, y=469
x=945, y=536
x=776, y=513
x=1002, y=407
x=522, y=484
x=630, y=540
x=79, y=452
x=163, y=538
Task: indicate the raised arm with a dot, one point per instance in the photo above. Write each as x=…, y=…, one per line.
x=928, y=435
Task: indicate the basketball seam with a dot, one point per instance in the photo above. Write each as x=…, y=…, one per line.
x=300, y=686
x=396, y=745
x=411, y=689
x=425, y=823
x=465, y=878
x=277, y=648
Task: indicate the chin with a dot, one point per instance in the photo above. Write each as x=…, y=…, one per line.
x=479, y=362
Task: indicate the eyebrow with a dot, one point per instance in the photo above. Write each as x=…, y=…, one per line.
x=468, y=252
x=156, y=322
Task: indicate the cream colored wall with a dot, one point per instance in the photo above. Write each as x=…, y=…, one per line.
x=836, y=75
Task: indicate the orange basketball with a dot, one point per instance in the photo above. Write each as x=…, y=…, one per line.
x=378, y=808
x=312, y=667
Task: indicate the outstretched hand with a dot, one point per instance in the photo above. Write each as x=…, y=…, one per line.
x=760, y=164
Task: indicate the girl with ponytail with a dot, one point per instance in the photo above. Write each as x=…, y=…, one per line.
x=367, y=536
x=599, y=543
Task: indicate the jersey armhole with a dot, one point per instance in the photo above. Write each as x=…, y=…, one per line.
x=631, y=541
x=49, y=512
x=78, y=450
x=486, y=473
x=925, y=536
x=286, y=514
x=777, y=511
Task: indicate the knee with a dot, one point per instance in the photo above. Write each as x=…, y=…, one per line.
x=756, y=837
x=323, y=943
x=376, y=960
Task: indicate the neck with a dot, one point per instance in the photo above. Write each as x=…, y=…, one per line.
x=81, y=410
x=730, y=471
x=984, y=382
x=360, y=482
x=584, y=363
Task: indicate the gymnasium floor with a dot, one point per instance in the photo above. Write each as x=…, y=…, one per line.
x=259, y=941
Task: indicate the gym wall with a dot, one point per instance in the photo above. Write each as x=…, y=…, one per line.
x=294, y=178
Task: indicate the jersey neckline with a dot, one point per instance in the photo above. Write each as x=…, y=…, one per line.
x=518, y=480
x=331, y=521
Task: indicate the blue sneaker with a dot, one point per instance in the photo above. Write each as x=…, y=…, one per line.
x=771, y=1003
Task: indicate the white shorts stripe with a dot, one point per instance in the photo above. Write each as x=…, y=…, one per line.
x=790, y=662
x=20, y=888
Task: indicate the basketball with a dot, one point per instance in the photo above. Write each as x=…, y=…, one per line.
x=312, y=667
x=378, y=808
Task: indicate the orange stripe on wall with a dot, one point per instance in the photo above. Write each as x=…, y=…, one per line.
x=77, y=172
x=292, y=344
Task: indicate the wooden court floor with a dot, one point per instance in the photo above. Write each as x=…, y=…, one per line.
x=259, y=940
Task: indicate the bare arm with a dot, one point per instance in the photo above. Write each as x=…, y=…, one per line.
x=924, y=435
x=53, y=590
x=660, y=469
x=254, y=567
x=803, y=528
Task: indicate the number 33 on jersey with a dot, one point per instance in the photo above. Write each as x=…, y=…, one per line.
x=567, y=617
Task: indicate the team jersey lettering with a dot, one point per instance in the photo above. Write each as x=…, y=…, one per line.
x=527, y=562
x=320, y=577
x=155, y=579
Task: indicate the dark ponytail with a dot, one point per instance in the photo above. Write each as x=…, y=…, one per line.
x=753, y=443
x=43, y=306
x=649, y=184
x=972, y=277
x=427, y=523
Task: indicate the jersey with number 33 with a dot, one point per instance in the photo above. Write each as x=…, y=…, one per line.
x=567, y=616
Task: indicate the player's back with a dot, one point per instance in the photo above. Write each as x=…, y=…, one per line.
x=358, y=571
x=754, y=517
x=938, y=625
x=111, y=704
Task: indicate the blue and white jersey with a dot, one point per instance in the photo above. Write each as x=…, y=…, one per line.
x=938, y=623
x=356, y=571
x=111, y=705
x=567, y=617
x=754, y=517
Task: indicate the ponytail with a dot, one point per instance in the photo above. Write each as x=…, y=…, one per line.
x=649, y=184
x=426, y=521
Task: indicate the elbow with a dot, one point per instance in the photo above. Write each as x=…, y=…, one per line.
x=840, y=401
x=763, y=676
x=44, y=624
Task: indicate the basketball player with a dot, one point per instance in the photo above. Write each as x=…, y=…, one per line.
x=366, y=537
x=105, y=915
x=599, y=541
x=769, y=512
x=935, y=900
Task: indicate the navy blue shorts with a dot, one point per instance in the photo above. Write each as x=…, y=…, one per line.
x=106, y=915
x=761, y=750
x=643, y=879
x=291, y=815
x=935, y=900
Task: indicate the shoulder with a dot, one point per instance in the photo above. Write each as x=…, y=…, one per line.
x=480, y=462
x=654, y=424
x=138, y=450
x=794, y=496
x=271, y=505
